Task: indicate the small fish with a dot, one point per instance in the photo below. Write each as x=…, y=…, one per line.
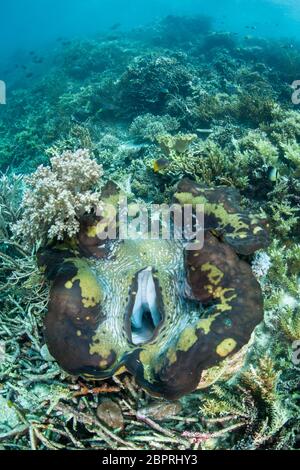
x=204, y=131
x=115, y=26
x=38, y=60
x=112, y=37
x=29, y=75
x=273, y=174
x=287, y=46
x=163, y=91
x=160, y=164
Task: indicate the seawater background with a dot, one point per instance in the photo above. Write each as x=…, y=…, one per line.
x=36, y=23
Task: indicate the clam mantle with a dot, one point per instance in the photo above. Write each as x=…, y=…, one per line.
x=152, y=307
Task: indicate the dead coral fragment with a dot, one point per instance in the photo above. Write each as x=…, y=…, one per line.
x=111, y=414
x=58, y=196
x=160, y=411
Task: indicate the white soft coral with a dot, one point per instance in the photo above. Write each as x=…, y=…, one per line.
x=57, y=196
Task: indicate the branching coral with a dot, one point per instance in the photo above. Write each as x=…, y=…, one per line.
x=206, y=162
x=285, y=127
x=252, y=402
x=290, y=323
x=291, y=151
x=58, y=196
x=10, y=198
x=258, y=150
x=149, y=81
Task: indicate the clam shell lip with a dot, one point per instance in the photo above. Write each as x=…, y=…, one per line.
x=166, y=354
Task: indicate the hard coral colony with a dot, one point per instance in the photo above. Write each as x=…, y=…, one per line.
x=197, y=118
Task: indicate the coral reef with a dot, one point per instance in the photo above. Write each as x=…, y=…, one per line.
x=147, y=126
x=206, y=105
x=149, y=81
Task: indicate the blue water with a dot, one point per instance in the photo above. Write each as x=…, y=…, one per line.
x=29, y=24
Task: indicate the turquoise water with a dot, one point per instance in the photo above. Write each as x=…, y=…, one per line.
x=36, y=23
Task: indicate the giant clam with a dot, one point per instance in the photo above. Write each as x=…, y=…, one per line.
x=152, y=307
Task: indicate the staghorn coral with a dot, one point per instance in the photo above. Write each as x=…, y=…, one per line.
x=207, y=163
x=284, y=217
x=291, y=151
x=255, y=413
x=285, y=127
x=209, y=107
x=258, y=149
x=290, y=322
x=57, y=196
x=255, y=108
